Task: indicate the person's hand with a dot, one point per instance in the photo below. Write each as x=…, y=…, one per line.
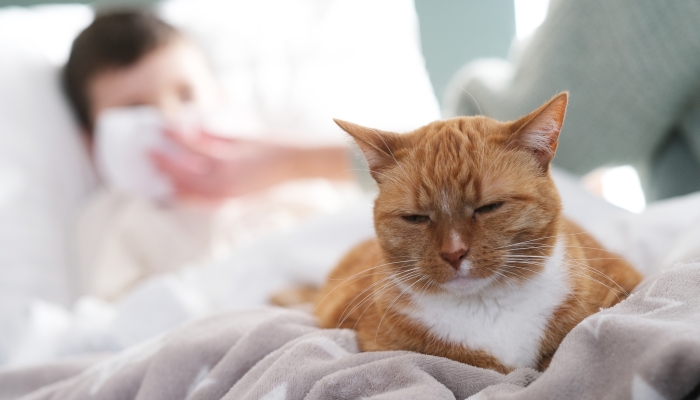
x=213, y=167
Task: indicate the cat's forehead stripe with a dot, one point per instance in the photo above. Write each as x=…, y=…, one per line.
x=446, y=201
x=450, y=161
x=453, y=161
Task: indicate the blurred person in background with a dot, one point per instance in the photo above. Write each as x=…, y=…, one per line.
x=218, y=192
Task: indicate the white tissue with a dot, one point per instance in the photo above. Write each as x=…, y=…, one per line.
x=124, y=137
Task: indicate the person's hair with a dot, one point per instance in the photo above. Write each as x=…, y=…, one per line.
x=114, y=40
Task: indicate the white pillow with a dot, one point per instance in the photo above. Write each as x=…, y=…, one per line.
x=48, y=30
x=44, y=170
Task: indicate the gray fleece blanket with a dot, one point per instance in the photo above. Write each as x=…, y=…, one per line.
x=647, y=347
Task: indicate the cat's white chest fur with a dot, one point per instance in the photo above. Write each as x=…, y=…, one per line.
x=508, y=324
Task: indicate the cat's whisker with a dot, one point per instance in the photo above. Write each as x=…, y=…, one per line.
x=377, y=293
x=407, y=260
x=372, y=268
x=549, y=246
x=371, y=299
x=527, y=257
x=422, y=291
x=525, y=242
x=580, y=274
x=513, y=272
x=570, y=247
x=355, y=278
x=382, y=282
x=368, y=288
x=599, y=273
x=379, y=282
x=473, y=99
x=543, y=256
x=580, y=264
x=360, y=275
x=505, y=279
x=542, y=238
x=392, y=304
x=525, y=262
x=540, y=261
x=581, y=258
x=586, y=276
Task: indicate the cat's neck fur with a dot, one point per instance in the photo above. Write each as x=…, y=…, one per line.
x=508, y=322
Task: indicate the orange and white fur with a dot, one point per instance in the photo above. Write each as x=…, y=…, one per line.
x=473, y=260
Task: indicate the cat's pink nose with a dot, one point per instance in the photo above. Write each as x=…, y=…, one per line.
x=454, y=249
x=455, y=256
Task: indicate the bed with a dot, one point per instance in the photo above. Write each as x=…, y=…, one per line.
x=206, y=332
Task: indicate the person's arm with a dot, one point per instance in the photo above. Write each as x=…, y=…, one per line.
x=632, y=69
x=213, y=167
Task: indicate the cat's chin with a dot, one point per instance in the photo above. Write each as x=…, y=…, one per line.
x=464, y=285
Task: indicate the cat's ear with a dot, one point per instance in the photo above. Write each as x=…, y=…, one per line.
x=377, y=146
x=539, y=130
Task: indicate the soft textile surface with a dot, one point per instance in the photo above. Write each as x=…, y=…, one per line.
x=124, y=240
x=44, y=176
x=647, y=347
x=633, y=70
x=261, y=354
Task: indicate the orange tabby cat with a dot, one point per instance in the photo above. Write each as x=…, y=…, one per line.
x=473, y=260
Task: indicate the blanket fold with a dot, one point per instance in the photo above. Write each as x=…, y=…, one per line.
x=646, y=347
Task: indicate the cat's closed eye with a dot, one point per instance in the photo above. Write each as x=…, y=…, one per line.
x=415, y=218
x=488, y=208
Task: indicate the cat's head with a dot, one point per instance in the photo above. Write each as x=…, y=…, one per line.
x=463, y=202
